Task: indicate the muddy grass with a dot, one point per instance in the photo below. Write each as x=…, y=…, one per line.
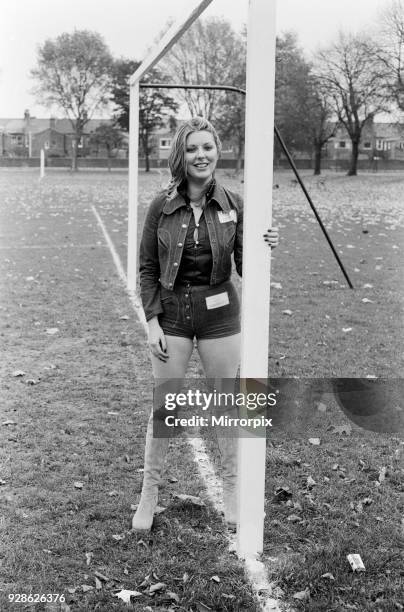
x=78, y=413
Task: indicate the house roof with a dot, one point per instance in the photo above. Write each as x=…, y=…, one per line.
x=388, y=131
x=64, y=126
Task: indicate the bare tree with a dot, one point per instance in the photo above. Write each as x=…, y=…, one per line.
x=391, y=42
x=73, y=73
x=320, y=115
x=350, y=70
x=207, y=54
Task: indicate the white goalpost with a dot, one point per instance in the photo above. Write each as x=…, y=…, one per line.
x=261, y=37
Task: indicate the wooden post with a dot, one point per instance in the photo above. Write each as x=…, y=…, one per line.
x=261, y=38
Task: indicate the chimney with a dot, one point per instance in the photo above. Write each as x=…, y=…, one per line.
x=52, y=122
x=27, y=117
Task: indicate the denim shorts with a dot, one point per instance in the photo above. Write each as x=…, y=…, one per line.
x=201, y=311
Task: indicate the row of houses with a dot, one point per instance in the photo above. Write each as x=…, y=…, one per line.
x=25, y=137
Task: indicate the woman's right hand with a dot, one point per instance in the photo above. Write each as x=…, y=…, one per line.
x=157, y=340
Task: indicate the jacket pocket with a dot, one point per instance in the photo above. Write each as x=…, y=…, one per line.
x=229, y=234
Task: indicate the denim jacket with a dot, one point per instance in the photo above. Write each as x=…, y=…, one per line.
x=164, y=235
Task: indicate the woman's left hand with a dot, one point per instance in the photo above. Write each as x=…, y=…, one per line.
x=271, y=237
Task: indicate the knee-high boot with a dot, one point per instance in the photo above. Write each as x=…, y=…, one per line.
x=155, y=453
x=228, y=448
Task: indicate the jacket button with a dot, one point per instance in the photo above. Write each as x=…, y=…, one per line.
x=175, y=264
x=184, y=225
x=170, y=284
x=179, y=244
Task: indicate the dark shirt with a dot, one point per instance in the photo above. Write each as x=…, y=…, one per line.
x=196, y=262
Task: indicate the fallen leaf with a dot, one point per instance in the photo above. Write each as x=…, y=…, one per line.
x=9, y=422
x=78, y=485
x=172, y=479
x=215, y=578
x=294, y=518
x=283, y=493
x=346, y=329
x=86, y=587
x=302, y=595
x=124, y=318
x=118, y=537
x=321, y=407
x=276, y=285
x=18, y=373
x=98, y=584
x=328, y=575
x=101, y=576
x=315, y=441
x=367, y=301
x=125, y=595
x=157, y=587
x=89, y=557
x=31, y=381
x=287, y=312
x=113, y=493
x=113, y=413
x=192, y=499
x=52, y=330
x=310, y=482
x=382, y=474
x=173, y=596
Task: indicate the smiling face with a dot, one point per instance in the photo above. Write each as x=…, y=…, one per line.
x=201, y=156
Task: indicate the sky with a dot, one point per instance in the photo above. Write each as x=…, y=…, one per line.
x=130, y=27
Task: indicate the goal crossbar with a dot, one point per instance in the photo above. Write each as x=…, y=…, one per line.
x=169, y=39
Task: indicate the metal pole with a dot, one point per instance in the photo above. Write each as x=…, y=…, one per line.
x=256, y=278
x=42, y=168
x=133, y=185
x=313, y=208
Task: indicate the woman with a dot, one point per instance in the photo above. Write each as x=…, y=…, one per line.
x=190, y=232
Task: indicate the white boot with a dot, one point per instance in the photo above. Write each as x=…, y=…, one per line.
x=228, y=448
x=155, y=452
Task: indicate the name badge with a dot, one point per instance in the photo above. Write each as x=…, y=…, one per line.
x=226, y=217
x=216, y=301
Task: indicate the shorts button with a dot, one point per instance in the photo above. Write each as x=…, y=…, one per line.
x=187, y=317
x=170, y=284
x=186, y=294
x=184, y=225
x=175, y=264
x=179, y=244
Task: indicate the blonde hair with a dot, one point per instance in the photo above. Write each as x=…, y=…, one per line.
x=176, y=158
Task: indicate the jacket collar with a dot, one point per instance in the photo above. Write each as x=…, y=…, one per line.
x=215, y=192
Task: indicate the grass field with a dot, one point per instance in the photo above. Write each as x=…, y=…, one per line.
x=73, y=420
